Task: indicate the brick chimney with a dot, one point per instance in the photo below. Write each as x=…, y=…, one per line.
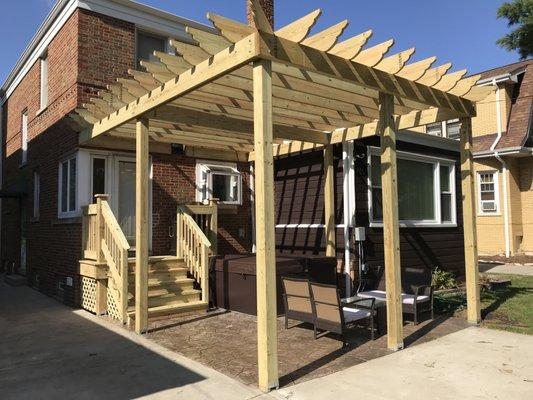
x=268, y=8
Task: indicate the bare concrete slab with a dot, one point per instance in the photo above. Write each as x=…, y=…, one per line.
x=474, y=363
x=506, y=269
x=49, y=351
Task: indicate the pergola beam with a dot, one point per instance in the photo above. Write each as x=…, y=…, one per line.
x=282, y=50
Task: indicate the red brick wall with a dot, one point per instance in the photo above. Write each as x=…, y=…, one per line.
x=174, y=180
x=77, y=69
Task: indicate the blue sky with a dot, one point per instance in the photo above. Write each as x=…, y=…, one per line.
x=461, y=31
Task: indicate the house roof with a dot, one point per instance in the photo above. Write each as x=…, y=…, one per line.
x=519, y=126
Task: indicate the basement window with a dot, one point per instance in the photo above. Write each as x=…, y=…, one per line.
x=488, y=193
x=218, y=181
x=426, y=190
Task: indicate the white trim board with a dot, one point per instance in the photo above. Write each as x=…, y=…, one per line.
x=146, y=17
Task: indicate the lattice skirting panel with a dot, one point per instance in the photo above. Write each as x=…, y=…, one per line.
x=88, y=294
x=113, y=309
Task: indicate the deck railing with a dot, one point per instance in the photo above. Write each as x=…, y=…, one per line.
x=194, y=248
x=104, y=242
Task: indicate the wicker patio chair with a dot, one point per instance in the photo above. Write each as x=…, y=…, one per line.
x=297, y=300
x=333, y=316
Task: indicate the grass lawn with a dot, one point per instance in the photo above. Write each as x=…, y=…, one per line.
x=509, y=309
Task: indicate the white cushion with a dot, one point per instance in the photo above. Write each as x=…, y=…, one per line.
x=354, y=314
x=381, y=295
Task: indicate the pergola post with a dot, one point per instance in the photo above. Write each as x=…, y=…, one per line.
x=391, y=230
x=267, y=357
x=329, y=200
x=141, y=226
x=469, y=223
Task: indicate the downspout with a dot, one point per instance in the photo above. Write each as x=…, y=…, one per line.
x=252, y=203
x=504, y=172
x=348, y=209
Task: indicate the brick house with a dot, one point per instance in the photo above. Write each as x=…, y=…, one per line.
x=47, y=177
x=503, y=141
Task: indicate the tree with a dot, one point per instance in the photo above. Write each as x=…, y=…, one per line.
x=519, y=13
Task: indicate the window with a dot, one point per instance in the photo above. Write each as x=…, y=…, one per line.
x=36, y=194
x=147, y=43
x=24, y=137
x=426, y=190
x=218, y=181
x=488, y=192
x=453, y=129
x=67, y=187
x=98, y=177
x=44, y=81
x=434, y=129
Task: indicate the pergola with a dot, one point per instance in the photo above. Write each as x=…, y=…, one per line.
x=257, y=94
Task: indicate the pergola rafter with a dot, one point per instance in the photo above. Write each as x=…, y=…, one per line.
x=250, y=90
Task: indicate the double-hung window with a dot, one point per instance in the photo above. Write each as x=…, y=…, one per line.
x=434, y=129
x=426, y=190
x=44, y=81
x=147, y=43
x=36, y=194
x=68, y=187
x=24, y=138
x=219, y=181
x=488, y=192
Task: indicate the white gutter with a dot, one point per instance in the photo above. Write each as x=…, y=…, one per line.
x=504, y=171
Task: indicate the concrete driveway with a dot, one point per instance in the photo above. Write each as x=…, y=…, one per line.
x=474, y=363
x=49, y=351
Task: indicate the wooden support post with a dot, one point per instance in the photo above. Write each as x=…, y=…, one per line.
x=99, y=227
x=141, y=227
x=391, y=230
x=265, y=235
x=469, y=223
x=329, y=200
x=101, y=296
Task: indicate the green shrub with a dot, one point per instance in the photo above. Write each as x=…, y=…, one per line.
x=443, y=279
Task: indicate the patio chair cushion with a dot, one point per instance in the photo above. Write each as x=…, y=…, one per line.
x=354, y=314
x=381, y=295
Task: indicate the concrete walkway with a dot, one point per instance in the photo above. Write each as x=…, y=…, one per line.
x=506, y=269
x=474, y=363
x=49, y=351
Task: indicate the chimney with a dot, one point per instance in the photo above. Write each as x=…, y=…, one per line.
x=268, y=8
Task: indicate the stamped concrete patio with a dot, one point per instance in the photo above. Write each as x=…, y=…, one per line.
x=226, y=342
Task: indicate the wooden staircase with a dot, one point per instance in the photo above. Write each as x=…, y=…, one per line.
x=170, y=289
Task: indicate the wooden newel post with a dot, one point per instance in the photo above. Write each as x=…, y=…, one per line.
x=141, y=226
x=267, y=349
x=391, y=230
x=329, y=200
x=469, y=223
x=100, y=226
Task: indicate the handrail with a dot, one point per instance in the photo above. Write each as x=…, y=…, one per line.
x=115, y=247
x=104, y=242
x=194, y=248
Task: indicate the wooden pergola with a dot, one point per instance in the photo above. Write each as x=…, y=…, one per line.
x=256, y=94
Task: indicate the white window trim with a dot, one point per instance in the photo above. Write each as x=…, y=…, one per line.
x=76, y=212
x=480, y=211
x=44, y=82
x=217, y=164
x=36, y=194
x=24, y=138
x=436, y=162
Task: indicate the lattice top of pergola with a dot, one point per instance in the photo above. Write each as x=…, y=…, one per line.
x=323, y=90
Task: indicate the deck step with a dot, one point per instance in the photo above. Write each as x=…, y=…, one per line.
x=171, y=309
x=161, y=297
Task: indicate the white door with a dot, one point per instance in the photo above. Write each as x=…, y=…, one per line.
x=125, y=198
